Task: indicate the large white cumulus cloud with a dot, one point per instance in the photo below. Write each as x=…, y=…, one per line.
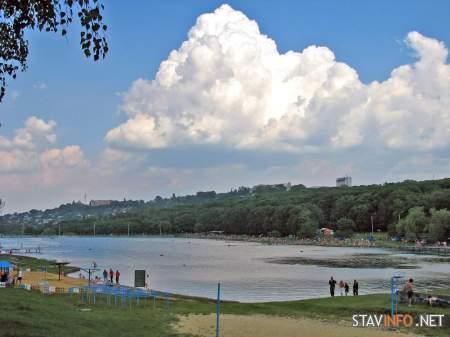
x=227, y=84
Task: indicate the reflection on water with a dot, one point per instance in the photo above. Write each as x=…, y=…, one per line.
x=193, y=267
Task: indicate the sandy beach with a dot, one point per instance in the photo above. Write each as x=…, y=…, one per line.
x=270, y=326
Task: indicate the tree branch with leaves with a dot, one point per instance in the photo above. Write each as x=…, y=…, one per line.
x=19, y=16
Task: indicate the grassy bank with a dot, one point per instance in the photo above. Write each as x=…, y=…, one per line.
x=35, y=264
x=381, y=240
x=28, y=314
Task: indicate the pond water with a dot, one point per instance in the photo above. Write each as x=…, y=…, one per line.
x=246, y=270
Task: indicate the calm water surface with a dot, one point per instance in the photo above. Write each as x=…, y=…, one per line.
x=194, y=266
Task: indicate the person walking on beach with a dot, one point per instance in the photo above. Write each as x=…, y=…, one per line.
x=332, y=283
x=117, y=276
x=409, y=291
x=105, y=275
x=346, y=287
x=111, y=275
x=20, y=276
x=341, y=287
x=355, y=288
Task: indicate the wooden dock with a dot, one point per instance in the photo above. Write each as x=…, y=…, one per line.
x=22, y=250
x=428, y=250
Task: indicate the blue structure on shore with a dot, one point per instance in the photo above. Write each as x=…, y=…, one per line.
x=395, y=280
x=5, y=266
x=119, y=295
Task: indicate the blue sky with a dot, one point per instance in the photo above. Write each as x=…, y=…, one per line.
x=84, y=98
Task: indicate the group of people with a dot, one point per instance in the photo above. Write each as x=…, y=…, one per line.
x=9, y=278
x=344, y=288
x=111, y=275
x=108, y=277
x=4, y=277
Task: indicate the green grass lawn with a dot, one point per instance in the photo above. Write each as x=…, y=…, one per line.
x=27, y=314
x=35, y=264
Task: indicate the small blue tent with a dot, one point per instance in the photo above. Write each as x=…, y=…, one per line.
x=5, y=266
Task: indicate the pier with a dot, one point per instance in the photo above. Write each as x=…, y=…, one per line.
x=22, y=250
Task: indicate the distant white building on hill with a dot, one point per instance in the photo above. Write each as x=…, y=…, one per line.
x=344, y=181
x=95, y=203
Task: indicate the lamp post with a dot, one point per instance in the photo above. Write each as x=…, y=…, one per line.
x=371, y=220
x=218, y=311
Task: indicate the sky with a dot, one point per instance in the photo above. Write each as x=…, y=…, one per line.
x=207, y=95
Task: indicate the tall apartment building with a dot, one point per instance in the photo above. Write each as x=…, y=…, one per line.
x=344, y=181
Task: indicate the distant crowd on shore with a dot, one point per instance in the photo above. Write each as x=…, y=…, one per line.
x=108, y=276
x=344, y=288
x=11, y=278
x=111, y=275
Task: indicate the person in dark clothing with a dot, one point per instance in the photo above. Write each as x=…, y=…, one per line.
x=105, y=275
x=111, y=275
x=332, y=283
x=409, y=291
x=346, y=287
x=117, y=276
x=355, y=288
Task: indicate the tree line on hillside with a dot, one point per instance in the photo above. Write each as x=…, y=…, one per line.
x=413, y=210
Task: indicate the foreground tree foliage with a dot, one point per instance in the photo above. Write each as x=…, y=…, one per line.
x=413, y=225
x=439, y=224
x=19, y=16
x=345, y=228
x=412, y=210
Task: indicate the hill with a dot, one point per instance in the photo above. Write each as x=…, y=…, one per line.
x=413, y=209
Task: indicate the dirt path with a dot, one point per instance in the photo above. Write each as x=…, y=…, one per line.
x=270, y=326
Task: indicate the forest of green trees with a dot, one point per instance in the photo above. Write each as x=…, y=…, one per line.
x=410, y=209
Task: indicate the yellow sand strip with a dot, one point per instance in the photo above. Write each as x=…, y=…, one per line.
x=34, y=277
x=272, y=326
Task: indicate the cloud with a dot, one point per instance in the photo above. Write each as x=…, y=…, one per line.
x=14, y=94
x=227, y=108
x=40, y=86
x=70, y=156
x=228, y=85
x=33, y=149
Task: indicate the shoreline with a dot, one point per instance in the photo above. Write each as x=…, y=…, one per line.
x=284, y=241
x=334, y=313
x=357, y=241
